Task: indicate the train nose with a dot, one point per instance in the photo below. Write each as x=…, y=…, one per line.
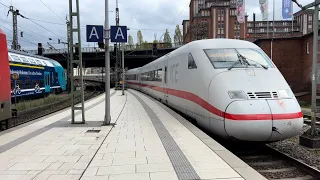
x=287, y=118
x=263, y=120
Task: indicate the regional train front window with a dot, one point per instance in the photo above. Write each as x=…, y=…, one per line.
x=225, y=58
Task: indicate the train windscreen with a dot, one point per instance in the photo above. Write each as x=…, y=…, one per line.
x=225, y=58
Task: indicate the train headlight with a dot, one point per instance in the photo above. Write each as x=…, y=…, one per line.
x=237, y=95
x=284, y=93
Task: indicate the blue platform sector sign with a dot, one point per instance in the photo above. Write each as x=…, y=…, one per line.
x=119, y=34
x=94, y=33
x=286, y=9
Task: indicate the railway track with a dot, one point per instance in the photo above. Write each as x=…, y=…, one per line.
x=269, y=162
x=38, y=112
x=307, y=118
x=273, y=164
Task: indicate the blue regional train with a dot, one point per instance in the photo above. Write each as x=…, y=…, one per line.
x=34, y=76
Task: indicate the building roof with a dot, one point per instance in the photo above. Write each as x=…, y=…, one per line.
x=307, y=11
x=275, y=21
x=285, y=38
x=183, y=21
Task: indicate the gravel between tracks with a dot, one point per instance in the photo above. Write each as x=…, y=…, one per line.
x=31, y=114
x=291, y=147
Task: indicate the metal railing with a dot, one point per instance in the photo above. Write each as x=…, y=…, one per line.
x=146, y=46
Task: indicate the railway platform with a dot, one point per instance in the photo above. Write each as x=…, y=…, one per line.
x=148, y=141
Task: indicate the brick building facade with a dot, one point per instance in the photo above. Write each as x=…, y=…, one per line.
x=213, y=19
x=282, y=29
x=292, y=47
x=293, y=57
x=302, y=25
x=217, y=19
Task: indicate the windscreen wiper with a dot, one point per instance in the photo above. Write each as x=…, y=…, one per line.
x=246, y=60
x=264, y=66
x=240, y=59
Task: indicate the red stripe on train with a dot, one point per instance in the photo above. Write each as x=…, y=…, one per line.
x=196, y=99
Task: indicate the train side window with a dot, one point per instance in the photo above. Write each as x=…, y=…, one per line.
x=38, y=62
x=152, y=76
x=159, y=75
x=19, y=84
x=56, y=78
x=27, y=84
x=41, y=84
x=16, y=58
x=24, y=60
x=165, y=74
x=191, y=62
x=35, y=82
x=10, y=59
x=47, y=81
x=32, y=61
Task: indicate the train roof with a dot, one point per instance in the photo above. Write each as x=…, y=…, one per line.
x=100, y=74
x=221, y=43
x=201, y=45
x=207, y=44
x=132, y=71
x=26, y=58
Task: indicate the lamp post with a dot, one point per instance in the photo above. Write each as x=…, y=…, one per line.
x=107, y=117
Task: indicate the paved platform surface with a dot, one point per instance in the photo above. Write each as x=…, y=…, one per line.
x=148, y=142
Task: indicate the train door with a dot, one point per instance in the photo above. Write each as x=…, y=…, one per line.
x=165, y=81
x=47, y=81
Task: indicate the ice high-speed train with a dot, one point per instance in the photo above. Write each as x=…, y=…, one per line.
x=230, y=87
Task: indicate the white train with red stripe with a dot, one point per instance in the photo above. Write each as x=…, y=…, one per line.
x=230, y=87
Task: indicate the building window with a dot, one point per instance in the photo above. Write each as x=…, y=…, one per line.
x=310, y=17
x=237, y=30
x=308, y=47
x=220, y=22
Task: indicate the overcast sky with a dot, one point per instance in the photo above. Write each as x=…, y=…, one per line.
x=150, y=16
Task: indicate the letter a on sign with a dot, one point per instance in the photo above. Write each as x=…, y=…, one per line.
x=119, y=33
x=94, y=33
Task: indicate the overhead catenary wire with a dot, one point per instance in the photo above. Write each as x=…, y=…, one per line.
x=36, y=23
x=45, y=28
x=21, y=27
x=62, y=24
x=147, y=29
x=33, y=21
x=4, y=5
x=7, y=13
x=23, y=39
x=133, y=28
x=48, y=22
x=178, y=15
x=4, y=21
x=52, y=11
